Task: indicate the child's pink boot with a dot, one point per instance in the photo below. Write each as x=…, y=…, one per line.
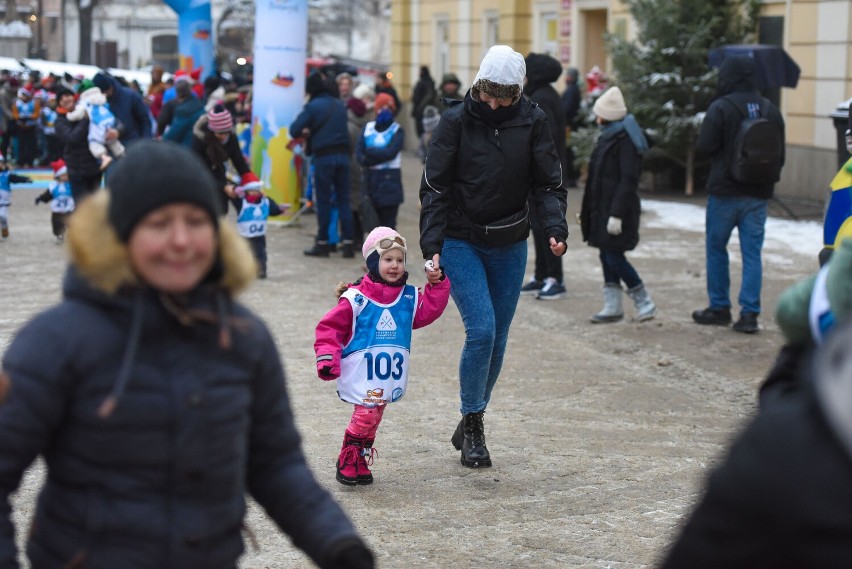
x=349, y=461
x=365, y=460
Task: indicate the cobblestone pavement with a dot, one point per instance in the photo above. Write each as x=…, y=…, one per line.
x=601, y=434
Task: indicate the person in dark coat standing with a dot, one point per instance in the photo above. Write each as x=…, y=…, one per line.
x=423, y=89
x=609, y=217
x=217, y=145
x=84, y=170
x=542, y=70
x=732, y=204
x=571, y=98
x=181, y=117
x=490, y=157
x=323, y=120
x=168, y=403
x=780, y=497
x=131, y=113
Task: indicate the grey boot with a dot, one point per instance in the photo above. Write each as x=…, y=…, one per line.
x=645, y=307
x=612, y=310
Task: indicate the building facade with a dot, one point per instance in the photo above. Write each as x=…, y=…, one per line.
x=453, y=35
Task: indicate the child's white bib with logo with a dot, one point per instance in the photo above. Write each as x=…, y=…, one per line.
x=374, y=364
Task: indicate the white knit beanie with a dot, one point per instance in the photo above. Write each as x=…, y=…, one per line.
x=610, y=106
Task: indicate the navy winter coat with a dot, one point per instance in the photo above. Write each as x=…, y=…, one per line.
x=161, y=481
x=384, y=186
x=325, y=116
x=133, y=118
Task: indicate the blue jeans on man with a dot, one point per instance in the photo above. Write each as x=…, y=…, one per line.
x=331, y=178
x=748, y=216
x=486, y=288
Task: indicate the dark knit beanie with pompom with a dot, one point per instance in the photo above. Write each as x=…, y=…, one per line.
x=153, y=174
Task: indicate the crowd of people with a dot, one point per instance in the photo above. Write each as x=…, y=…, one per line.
x=155, y=270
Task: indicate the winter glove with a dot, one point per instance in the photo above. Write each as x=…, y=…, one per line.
x=613, y=225
x=327, y=372
x=350, y=554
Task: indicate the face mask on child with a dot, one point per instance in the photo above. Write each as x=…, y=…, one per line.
x=253, y=197
x=384, y=118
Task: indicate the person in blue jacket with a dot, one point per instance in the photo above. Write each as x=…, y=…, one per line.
x=323, y=121
x=134, y=119
x=156, y=400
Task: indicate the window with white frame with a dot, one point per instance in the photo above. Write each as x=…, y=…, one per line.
x=441, y=44
x=491, y=29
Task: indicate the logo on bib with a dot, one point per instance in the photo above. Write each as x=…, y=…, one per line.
x=386, y=321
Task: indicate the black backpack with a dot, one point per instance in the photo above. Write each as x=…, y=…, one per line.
x=758, y=151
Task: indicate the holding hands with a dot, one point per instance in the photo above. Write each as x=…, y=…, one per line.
x=434, y=274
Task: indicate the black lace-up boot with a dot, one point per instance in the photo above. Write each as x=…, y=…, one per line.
x=471, y=441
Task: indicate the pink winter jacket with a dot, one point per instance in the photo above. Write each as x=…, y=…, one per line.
x=335, y=329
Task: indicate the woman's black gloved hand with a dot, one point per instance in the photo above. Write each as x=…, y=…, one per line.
x=352, y=554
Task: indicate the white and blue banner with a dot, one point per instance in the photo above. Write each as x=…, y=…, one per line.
x=280, y=50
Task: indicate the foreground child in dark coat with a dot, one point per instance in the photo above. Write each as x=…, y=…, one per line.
x=163, y=401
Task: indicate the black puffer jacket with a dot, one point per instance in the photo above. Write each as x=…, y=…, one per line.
x=477, y=173
x=216, y=155
x=74, y=136
x=542, y=70
x=722, y=122
x=161, y=482
x=611, y=190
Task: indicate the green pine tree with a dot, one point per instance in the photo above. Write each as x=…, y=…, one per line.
x=664, y=73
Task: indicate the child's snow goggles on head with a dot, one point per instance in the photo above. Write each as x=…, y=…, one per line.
x=388, y=243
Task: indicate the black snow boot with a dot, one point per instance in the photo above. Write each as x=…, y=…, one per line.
x=469, y=438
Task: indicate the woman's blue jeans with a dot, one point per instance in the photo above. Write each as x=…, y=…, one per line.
x=485, y=285
x=748, y=215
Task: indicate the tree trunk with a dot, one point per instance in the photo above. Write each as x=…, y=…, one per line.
x=86, y=34
x=690, y=168
x=11, y=11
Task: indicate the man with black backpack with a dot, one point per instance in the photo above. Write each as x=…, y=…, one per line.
x=744, y=135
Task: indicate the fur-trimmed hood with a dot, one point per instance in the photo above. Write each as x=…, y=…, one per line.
x=102, y=259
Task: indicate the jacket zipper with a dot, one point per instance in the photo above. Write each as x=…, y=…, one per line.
x=487, y=227
x=497, y=136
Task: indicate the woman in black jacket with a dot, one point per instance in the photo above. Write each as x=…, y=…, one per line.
x=156, y=400
x=214, y=140
x=84, y=170
x=609, y=217
x=490, y=155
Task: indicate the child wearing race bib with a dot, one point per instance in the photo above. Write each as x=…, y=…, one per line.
x=253, y=210
x=60, y=198
x=93, y=104
x=364, y=343
x=7, y=178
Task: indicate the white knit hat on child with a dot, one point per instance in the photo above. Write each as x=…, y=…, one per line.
x=381, y=240
x=610, y=106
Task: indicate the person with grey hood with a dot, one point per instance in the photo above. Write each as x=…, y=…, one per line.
x=542, y=70
x=156, y=400
x=732, y=203
x=490, y=158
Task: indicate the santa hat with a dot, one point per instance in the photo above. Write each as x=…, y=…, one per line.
x=248, y=182
x=23, y=92
x=181, y=75
x=610, y=106
x=59, y=168
x=195, y=75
